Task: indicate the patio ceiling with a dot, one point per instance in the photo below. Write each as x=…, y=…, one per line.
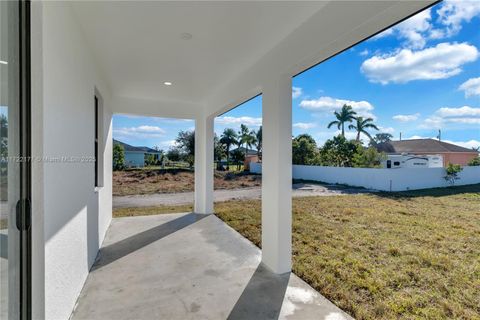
x=140, y=45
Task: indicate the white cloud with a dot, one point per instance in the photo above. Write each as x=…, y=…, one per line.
x=417, y=137
x=464, y=111
x=329, y=104
x=383, y=34
x=167, y=144
x=364, y=52
x=236, y=121
x=464, y=115
x=304, y=126
x=417, y=30
x=453, y=12
x=406, y=117
x=296, y=92
x=439, y=62
x=466, y=144
x=412, y=29
x=471, y=87
x=386, y=129
x=140, y=132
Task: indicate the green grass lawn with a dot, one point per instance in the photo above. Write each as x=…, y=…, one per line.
x=148, y=211
x=412, y=255
x=386, y=256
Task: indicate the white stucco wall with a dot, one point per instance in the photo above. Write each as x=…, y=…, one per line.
x=400, y=179
x=76, y=215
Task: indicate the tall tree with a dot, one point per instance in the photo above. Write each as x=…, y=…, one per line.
x=238, y=156
x=258, y=142
x=174, y=154
x=382, y=137
x=243, y=135
x=218, y=149
x=186, y=143
x=250, y=141
x=304, y=150
x=228, y=138
x=118, y=157
x=338, y=152
x=362, y=125
x=345, y=115
x=3, y=135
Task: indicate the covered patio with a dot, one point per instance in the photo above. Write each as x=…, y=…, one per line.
x=190, y=266
x=187, y=60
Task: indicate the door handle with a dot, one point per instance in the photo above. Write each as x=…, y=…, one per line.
x=23, y=214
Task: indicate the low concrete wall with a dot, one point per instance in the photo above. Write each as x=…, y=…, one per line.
x=381, y=179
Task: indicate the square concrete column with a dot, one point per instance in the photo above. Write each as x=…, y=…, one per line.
x=204, y=165
x=277, y=175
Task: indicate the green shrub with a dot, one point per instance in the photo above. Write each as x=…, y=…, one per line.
x=452, y=171
x=474, y=162
x=118, y=157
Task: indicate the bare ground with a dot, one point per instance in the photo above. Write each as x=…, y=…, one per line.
x=155, y=181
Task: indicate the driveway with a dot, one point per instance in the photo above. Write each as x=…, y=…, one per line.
x=298, y=190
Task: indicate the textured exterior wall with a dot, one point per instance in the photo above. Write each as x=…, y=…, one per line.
x=76, y=214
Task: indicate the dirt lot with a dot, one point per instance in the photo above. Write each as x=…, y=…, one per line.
x=150, y=181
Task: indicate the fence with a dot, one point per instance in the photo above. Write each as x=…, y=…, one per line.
x=400, y=179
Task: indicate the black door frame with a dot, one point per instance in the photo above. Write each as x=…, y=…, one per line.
x=24, y=205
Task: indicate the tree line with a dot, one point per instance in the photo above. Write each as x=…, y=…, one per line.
x=184, y=148
x=339, y=151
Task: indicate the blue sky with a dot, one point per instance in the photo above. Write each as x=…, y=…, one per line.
x=415, y=78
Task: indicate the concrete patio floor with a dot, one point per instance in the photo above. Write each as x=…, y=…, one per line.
x=190, y=266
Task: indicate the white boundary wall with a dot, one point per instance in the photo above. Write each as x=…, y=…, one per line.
x=400, y=179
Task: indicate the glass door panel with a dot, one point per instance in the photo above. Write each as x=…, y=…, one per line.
x=14, y=167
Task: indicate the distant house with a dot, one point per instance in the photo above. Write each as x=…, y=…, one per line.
x=135, y=156
x=251, y=152
x=451, y=153
x=250, y=156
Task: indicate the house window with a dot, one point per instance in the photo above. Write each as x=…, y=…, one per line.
x=96, y=141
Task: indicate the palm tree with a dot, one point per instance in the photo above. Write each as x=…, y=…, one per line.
x=243, y=135
x=228, y=138
x=361, y=126
x=258, y=143
x=345, y=115
x=250, y=140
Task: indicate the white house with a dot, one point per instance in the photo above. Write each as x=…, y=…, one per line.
x=67, y=66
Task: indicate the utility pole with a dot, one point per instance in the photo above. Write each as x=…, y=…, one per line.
x=439, y=135
x=400, y=136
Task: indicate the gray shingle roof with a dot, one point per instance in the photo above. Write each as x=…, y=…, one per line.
x=420, y=145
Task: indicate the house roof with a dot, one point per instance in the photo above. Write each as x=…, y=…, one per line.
x=250, y=151
x=422, y=146
x=131, y=148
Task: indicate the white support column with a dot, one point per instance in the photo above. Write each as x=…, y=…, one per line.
x=204, y=165
x=277, y=175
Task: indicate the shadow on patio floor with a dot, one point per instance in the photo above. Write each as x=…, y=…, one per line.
x=263, y=296
x=117, y=250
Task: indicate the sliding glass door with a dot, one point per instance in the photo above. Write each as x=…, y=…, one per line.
x=15, y=215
